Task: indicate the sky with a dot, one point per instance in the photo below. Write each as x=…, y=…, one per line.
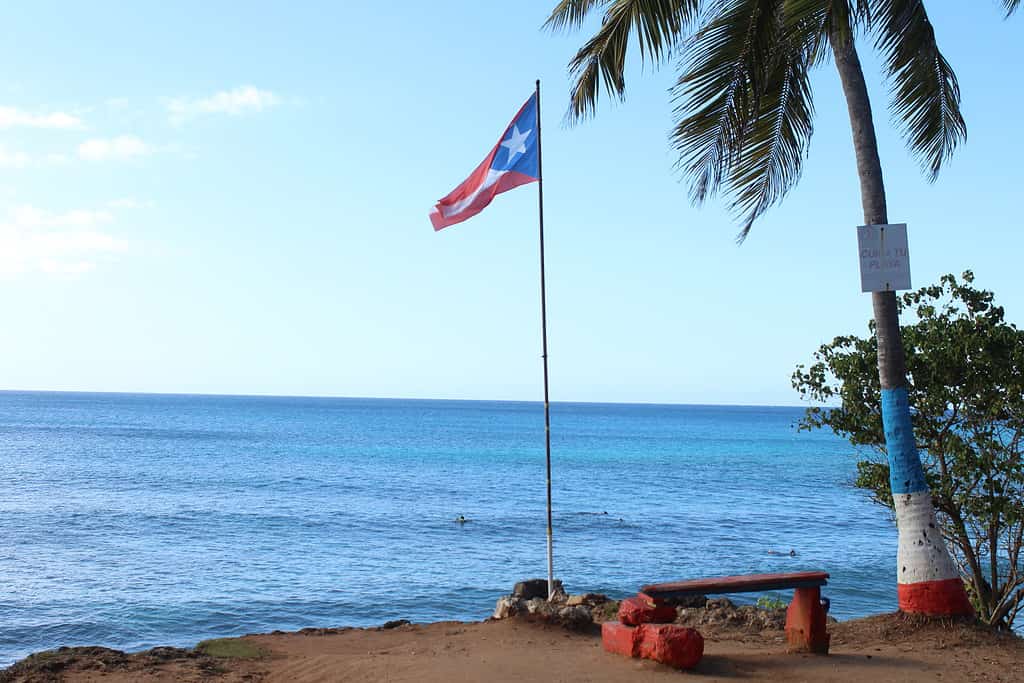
x=199, y=197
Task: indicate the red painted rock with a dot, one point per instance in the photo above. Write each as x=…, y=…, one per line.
x=670, y=644
x=620, y=639
x=650, y=599
x=635, y=611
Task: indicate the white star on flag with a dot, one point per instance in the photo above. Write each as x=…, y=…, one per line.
x=516, y=143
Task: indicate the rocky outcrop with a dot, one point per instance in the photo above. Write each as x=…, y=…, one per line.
x=572, y=611
x=587, y=599
x=721, y=614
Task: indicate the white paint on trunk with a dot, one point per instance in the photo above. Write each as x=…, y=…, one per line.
x=922, y=554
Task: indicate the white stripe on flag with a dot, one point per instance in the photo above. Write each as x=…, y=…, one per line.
x=461, y=205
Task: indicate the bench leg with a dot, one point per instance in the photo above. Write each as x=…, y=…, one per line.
x=805, y=622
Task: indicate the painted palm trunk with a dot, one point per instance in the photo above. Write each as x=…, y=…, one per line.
x=928, y=581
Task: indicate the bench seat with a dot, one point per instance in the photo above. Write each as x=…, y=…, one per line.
x=749, y=583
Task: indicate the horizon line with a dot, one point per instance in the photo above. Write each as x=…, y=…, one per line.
x=392, y=398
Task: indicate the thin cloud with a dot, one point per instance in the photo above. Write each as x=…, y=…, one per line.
x=14, y=159
x=12, y=117
x=113, y=149
x=242, y=100
x=11, y=158
x=128, y=203
x=61, y=243
x=32, y=217
x=52, y=267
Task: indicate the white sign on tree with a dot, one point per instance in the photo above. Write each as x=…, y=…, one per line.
x=884, y=257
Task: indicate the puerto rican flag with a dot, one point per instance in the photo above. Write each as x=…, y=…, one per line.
x=514, y=161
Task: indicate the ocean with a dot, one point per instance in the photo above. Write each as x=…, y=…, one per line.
x=131, y=520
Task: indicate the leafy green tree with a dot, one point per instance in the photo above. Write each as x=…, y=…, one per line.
x=744, y=118
x=965, y=367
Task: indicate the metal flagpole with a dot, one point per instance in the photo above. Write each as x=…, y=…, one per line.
x=544, y=336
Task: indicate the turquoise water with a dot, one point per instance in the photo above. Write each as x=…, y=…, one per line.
x=136, y=520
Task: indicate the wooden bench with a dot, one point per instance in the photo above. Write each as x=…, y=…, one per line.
x=805, y=616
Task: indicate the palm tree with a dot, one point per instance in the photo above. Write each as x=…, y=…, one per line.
x=744, y=118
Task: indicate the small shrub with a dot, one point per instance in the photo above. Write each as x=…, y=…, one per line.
x=771, y=602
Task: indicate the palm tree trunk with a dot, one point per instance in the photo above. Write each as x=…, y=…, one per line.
x=927, y=580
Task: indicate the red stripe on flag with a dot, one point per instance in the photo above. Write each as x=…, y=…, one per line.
x=508, y=181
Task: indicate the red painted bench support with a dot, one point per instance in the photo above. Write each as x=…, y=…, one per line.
x=805, y=622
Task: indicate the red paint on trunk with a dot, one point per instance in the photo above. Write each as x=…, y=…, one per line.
x=945, y=598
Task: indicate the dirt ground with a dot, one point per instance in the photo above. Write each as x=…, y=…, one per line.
x=877, y=649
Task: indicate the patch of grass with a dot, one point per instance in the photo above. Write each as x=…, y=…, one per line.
x=771, y=602
x=230, y=648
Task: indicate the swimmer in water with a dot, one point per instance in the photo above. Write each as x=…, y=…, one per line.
x=791, y=553
x=461, y=520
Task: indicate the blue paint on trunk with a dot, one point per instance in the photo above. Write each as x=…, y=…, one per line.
x=905, y=472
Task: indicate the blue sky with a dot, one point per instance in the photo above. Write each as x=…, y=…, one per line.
x=196, y=197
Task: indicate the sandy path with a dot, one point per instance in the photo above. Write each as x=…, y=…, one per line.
x=519, y=651
x=514, y=650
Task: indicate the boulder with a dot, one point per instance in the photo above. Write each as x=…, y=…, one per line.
x=635, y=611
x=535, y=588
x=650, y=599
x=676, y=646
x=620, y=639
x=508, y=606
x=558, y=595
x=589, y=599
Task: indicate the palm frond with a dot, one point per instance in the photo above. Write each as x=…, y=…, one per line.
x=570, y=13
x=925, y=95
x=715, y=91
x=599, y=65
x=743, y=101
x=1010, y=6
x=777, y=142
